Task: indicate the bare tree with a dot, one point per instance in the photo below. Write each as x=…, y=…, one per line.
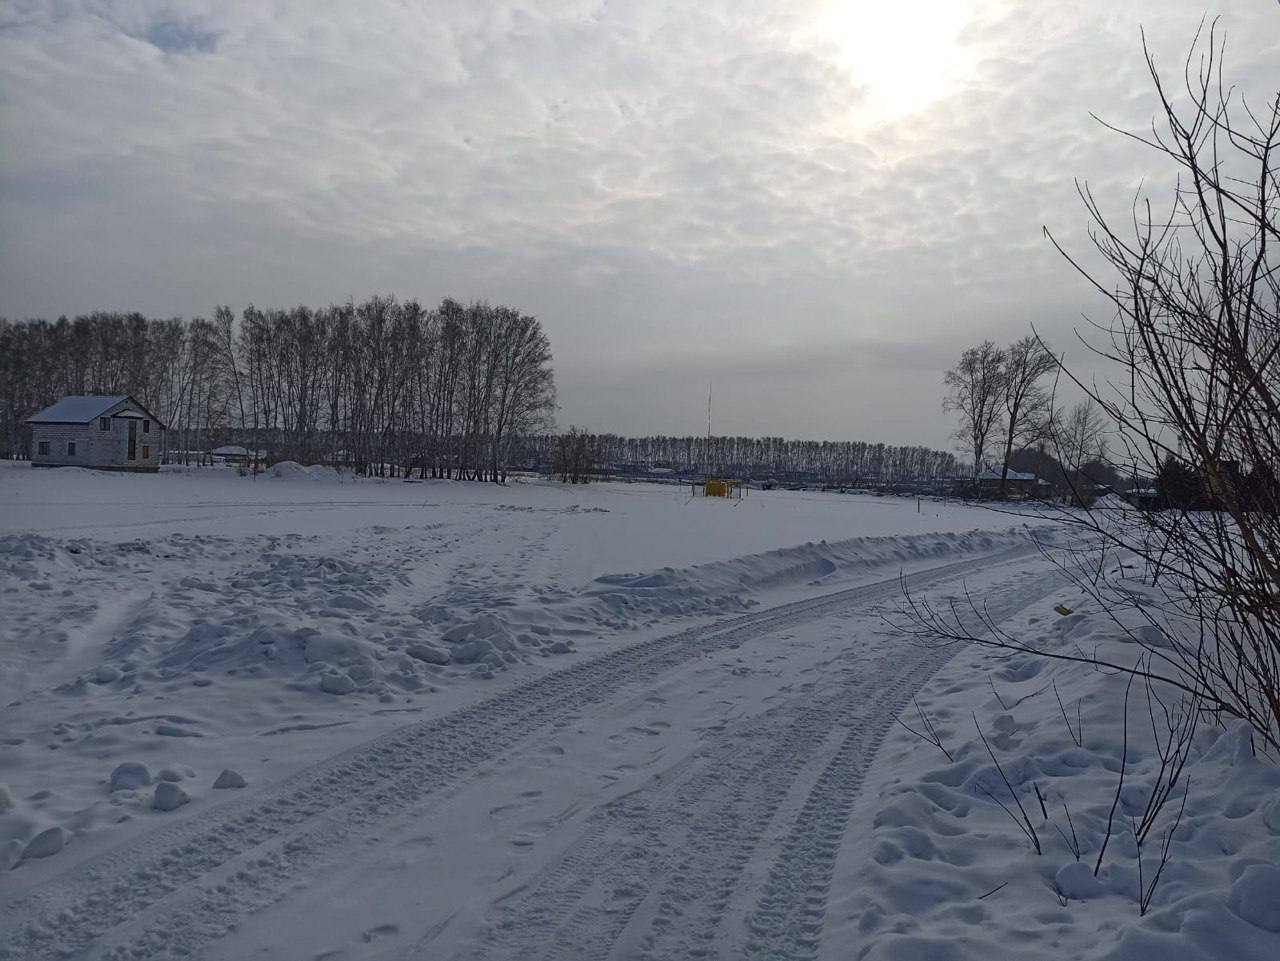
x=975, y=389
x=1079, y=443
x=574, y=456
x=1025, y=406
x=1079, y=435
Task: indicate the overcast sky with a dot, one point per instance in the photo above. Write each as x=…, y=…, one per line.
x=813, y=207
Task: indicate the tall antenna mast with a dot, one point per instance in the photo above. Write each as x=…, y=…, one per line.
x=708, y=411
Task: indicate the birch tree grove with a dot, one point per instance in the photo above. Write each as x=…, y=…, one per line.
x=383, y=386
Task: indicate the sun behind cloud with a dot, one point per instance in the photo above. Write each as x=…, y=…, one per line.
x=907, y=54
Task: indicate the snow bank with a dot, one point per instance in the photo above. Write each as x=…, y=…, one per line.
x=940, y=870
x=735, y=584
x=287, y=470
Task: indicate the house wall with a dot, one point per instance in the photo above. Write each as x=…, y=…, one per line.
x=114, y=444
x=96, y=447
x=57, y=436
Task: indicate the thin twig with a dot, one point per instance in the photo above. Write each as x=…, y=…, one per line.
x=1076, y=736
x=1024, y=824
x=998, y=887
x=931, y=736
x=1124, y=761
x=1072, y=843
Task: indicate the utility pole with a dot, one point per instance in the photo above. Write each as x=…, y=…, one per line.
x=708, y=465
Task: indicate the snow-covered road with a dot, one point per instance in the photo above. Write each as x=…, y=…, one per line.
x=681, y=796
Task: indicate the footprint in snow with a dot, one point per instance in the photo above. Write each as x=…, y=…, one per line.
x=379, y=933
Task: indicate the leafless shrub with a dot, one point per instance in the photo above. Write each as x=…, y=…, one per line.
x=1192, y=394
x=1174, y=733
x=1147, y=889
x=1195, y=399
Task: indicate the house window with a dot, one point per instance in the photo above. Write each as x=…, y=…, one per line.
x=44, y=448
x=146, y=427
x=104, y=423
x=71, y=448
x=146, y=451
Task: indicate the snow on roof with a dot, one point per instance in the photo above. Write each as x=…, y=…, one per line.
x=76, y=409
x=992, y=474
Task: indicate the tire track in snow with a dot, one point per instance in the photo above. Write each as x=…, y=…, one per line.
x=655, y=875
x=789, y=915
x=246, y=851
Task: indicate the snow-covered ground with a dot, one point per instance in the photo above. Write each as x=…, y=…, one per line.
x=934, y=868
x=546, y=721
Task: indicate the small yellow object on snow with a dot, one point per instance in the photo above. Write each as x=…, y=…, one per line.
x=1062, y=609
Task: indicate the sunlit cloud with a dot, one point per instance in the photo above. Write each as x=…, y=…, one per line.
x=739, y=185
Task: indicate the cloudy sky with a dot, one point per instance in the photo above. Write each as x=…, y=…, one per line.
x=812, y=206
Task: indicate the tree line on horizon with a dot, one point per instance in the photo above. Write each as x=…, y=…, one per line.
x=578, y=453
x=384, y=386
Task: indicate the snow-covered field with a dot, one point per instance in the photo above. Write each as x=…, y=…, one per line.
x=532, y=721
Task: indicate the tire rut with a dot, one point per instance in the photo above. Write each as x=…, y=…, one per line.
x=258, y=843
x=788, y=918
x=657, y=870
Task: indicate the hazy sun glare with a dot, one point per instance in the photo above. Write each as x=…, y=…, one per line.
x=907, y=53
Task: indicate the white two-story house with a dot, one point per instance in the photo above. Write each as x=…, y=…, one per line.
x=106, y=433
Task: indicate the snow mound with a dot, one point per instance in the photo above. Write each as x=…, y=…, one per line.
x=169, y=797
x=129, y=776
x=731, y=585
x=288, y=470
x=228, y=779
x=1255, y=896
x=45, y=844
x=336, y=682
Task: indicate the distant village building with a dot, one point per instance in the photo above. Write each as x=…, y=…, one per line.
x=989, y=482
x=235, y=454
x=105, y=433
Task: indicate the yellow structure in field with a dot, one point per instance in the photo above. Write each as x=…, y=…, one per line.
x=721, y=487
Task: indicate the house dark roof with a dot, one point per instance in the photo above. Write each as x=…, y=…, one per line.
x=84, y=409
x=993, y=474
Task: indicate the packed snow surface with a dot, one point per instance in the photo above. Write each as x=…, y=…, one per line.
x=308, y=716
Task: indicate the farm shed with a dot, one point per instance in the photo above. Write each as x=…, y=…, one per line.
x=106, y=433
